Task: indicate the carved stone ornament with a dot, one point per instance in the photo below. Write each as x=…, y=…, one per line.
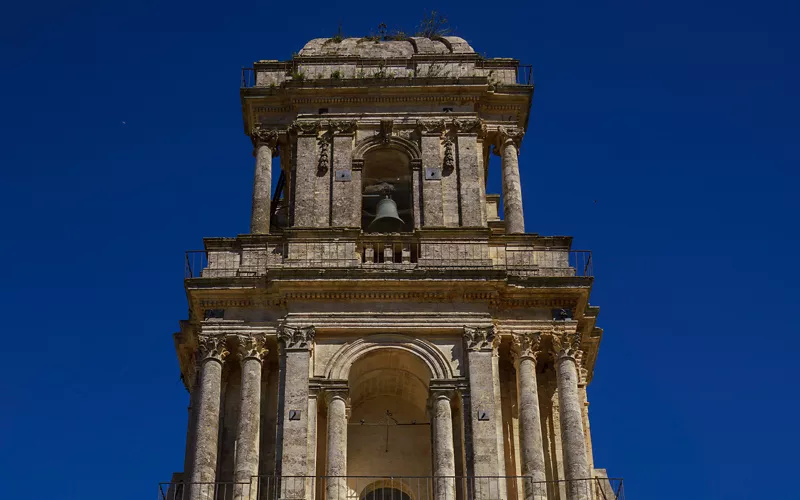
x=264, y=137
x=449, y=160
x=431, y=126
x=385, y=132
x=252, y=347
x=480, y=338
x=305, y=128
x=211, y=347
x=469, y=126
x=323, y=163
x=525, y=345
x=297, y=337
x=514, y=135
x=567, y=345
x=343, y=127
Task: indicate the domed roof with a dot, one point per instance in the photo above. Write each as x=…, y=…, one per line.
x=365, y=47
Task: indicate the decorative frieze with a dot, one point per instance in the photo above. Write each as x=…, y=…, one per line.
x=480, y=338
x=296, y=337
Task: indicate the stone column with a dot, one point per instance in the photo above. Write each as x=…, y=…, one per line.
x=292, y=447
x=264, y=146
x=212, y=352
x=486, y=445
x=336, y=460
x=251, y=353
x=509, y=143
x=525, y=350
x=444, y=465
x=567, y=353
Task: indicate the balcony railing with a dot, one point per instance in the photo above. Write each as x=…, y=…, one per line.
x=396, y=488
x=382, y=254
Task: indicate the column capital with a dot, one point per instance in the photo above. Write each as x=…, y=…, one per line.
x=252, y=346
x=212, y=347
x=333, y=392
x=263, y=136
x=566, y=345
x=481, y=338
x=300, y=338
x=505, y=136
x=525, y=346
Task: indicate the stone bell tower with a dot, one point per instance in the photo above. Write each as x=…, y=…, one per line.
x=382, y=331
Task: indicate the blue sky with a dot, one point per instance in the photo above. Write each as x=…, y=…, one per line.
x=664, y=137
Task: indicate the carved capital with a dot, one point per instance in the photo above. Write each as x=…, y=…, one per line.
x=264, y=137
x=504, y=136
x=469, y=126
x=343, y=127
x=336, y=392
x=480, y=338
x=252, y=347
x=567, y=345
x=305, y=128
x=211, y=347
x=525, y=346
x=296, y=338
x=431, y=127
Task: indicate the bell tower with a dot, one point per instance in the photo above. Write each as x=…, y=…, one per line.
x=382, y=330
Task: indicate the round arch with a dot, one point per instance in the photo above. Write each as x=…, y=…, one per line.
x=338, y=368
x=409, y=148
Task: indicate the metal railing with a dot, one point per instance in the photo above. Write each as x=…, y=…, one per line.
x=525, y=74
x=390, y=253
x=396, y=488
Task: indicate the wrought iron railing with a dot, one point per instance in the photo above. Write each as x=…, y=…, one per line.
x=396, y=488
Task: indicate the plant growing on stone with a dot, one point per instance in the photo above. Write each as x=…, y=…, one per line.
x=433, y=24
x=299, y=75
x=336, y=75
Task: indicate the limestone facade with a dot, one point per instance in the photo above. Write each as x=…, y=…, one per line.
x=446, y=360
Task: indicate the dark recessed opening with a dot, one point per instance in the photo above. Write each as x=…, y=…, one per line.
x=447, y=110
x=323, y=111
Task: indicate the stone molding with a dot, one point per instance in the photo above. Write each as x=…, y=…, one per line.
x=525, y=346
x=405, y=146
x=481, y=338
x=296, y=338
x=333, y=389
x=452, y=127
x=305, y=127
x=252, y=346
x=212, y=348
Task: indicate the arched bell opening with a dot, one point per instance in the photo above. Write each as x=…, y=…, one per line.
x=389, y=433
x=386, y=188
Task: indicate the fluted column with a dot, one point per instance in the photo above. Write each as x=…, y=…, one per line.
x=212, y=352
x=525, y=348
x=444, y=465
x=264, y=147
x=251, y=353
x=336, y=461
x=508, y=144
x=567, y=353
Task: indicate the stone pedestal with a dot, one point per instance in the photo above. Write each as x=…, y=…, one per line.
x=264, y=144
x=566, y=351
x=211, y=354
x=336, y=460
x=444, y=466
x=251, y=354
x=525, y=350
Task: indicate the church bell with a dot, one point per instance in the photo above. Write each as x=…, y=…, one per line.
x=386, y=219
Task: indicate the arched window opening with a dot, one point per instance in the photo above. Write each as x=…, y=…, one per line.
x=386, y=190
x=385, y=494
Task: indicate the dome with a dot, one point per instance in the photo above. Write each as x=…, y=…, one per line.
x=365, y=47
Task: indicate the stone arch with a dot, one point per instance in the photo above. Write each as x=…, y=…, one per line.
x=409, y=148
x=398, y=484
x=338, y=368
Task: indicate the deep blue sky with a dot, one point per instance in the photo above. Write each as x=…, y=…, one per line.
x=679, y=118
